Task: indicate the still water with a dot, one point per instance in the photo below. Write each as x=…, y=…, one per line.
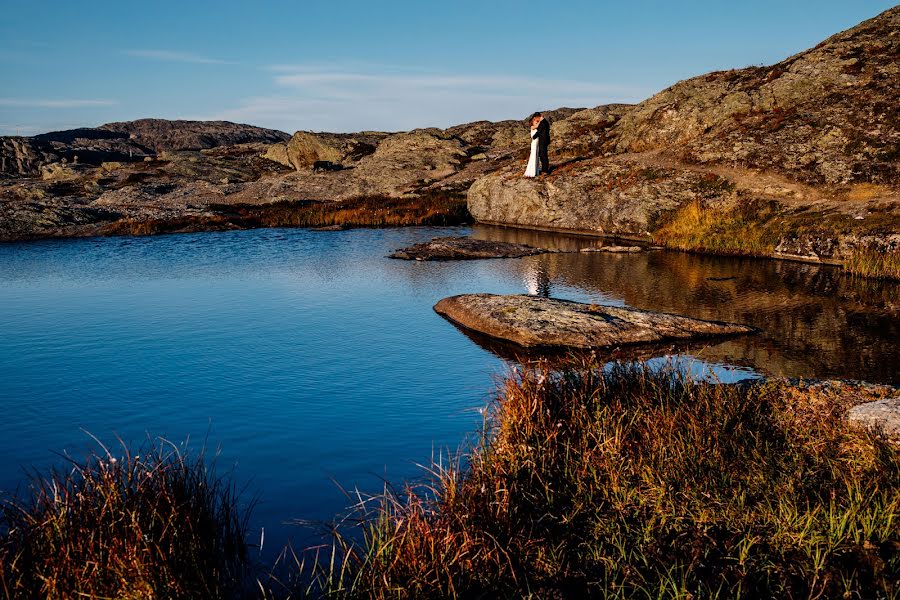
x=315, y=362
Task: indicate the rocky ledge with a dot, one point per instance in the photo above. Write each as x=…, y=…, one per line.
x=464, y=248
x=533, y=321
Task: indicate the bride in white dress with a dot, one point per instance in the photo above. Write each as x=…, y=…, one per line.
x=532, y=169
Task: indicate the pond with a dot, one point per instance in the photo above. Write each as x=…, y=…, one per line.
x=317, y=366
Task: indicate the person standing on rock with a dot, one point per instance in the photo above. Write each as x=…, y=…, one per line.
x=542, y=134
x=531, y=170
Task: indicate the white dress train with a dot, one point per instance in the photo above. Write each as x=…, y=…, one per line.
x=532, y=169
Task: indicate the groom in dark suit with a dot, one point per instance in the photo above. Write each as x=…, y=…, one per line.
x=543, y=135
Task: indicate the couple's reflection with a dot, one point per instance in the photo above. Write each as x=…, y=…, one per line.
x=537, y=279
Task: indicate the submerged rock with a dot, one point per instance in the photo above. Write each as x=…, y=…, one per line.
x=464, y=248
x=533, y=321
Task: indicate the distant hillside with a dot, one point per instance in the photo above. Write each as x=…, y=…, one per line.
x=161, y=134
x=125, y=141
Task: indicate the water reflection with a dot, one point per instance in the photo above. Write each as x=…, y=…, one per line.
x=815, y=320
x=537, y=279
x=311, y=354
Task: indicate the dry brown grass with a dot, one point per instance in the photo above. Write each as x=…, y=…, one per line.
x=157, y=524
x=699, y=227
x=862, y=192
x=368, y=211
x=875, y=262
x=631, y=483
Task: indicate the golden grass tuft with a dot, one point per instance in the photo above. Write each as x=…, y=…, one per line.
x=875, y=262
x=699, y=227
x=157, y=524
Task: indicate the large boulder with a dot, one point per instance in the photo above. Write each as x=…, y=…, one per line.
x=603, y=196
x=534, y=321
x=406, y=161
x=305, y=148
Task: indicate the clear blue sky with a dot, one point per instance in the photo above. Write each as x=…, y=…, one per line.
x=346, y=65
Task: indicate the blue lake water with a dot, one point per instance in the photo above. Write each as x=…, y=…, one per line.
x=312, y=360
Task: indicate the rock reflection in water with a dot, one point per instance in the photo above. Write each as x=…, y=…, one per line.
x=816, y=321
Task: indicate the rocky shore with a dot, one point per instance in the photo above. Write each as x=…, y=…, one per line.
x=797, y=160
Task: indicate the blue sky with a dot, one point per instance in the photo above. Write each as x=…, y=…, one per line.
x=390, y=65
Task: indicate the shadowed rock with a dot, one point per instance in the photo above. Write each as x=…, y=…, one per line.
x=562, y=356
x=532, y=321
x=464, y=248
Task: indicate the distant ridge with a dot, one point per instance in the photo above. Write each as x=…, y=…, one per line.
x=124, y=141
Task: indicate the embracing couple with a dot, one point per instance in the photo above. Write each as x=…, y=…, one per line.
x=540, y=140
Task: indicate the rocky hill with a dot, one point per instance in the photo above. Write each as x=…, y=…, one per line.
x=800, y=160
x=126, y=141
x=797, y=160
x=162, y=135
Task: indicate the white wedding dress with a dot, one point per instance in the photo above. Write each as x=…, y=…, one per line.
x=532, y=169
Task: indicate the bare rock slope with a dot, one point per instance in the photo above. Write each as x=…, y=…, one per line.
x=805, y=152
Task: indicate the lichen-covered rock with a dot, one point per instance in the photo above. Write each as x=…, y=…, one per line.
x=600, y=196
x=533, y=321
x=305, y=148
x=827, y=115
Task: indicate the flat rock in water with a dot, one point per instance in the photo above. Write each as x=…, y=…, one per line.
x=883, y=416
x=533, y=321
x=464, y=248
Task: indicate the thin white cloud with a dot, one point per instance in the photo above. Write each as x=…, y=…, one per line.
x=174, y=56
x=54, y=103
x=352, y=98
x=452, y=83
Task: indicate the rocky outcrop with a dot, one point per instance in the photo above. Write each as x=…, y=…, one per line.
x=464, y=248
x=20, y=156
x=611, y=197
x=826, y=116
x=797, y=160
x=533, y=321
x=306, y=148
x=411, y=163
